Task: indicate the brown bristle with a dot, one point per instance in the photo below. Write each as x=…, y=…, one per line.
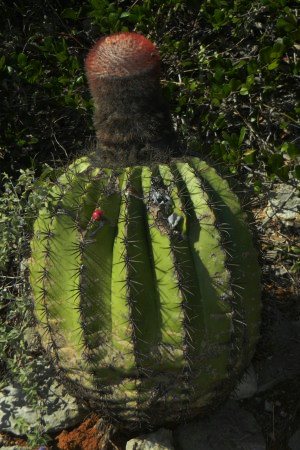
x=122, y=55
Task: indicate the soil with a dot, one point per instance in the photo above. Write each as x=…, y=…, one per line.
x=87, y=435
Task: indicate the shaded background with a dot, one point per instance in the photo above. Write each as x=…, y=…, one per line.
x=229, y=73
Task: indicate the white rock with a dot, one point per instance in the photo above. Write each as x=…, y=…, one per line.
x=247, y=386
x=294, y=442
x=58, y=409
x=230, y=428
x=159, y=440
x=269, y=406
x=174, y=220
x=284, y=204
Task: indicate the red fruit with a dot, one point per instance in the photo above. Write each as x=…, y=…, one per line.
x=97, y=215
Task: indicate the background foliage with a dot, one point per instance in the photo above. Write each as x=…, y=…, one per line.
x=230, y=72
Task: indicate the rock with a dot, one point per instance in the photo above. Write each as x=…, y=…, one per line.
x=159, y=440
x=284, y=204
x=247, y=386
x=56, y=411
x=31, y=338
x=269, y=406
x=284, y=363
x=230, y=428
x=15, y=447
x=294, y=442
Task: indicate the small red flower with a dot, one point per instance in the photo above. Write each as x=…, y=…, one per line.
x=97, y=215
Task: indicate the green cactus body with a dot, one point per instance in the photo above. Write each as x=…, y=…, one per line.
x=152, y=312
x=144, y=276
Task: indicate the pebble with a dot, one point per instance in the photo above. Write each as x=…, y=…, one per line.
x=247, y=386
x=269, y=406
x=159, y=440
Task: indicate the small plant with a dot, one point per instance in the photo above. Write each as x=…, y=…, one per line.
x=19, y=203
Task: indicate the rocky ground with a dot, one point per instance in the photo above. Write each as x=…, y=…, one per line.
x=262, y=413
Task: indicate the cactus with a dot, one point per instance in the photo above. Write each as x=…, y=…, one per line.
x=144, y=275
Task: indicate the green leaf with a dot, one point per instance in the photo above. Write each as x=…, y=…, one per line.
x=240, y=64
x=288, y=24
x=124, y=14
x=265, y=55
x=218, y=18
x=257, y=186
x=276, y=167
x=278, y=48
x=244, y=90
x=242, y=135
x=297, y=172
x=219, y=73
x=21, y=142
x=249, y=80
x=252, y=67
x=235, y=84
x=22, y=59
x=61, y=56
x=69, y=13
x=193, y=86
x=2, y=61
x=291, y=149
x=273, y=65
x=215, y=102
x=249, y=156
x=33, y=140
x=219, y=123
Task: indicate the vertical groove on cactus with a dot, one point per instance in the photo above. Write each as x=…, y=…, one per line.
x=43, y=253
x=228, y=296
x=214, y=278
x=65, y=308
x=142, y=287
x=186, y=282
x=246, y=284
x=239, y=332
x=171, y=315
x=63, y=326
x=95, y=297
x=162, y=181
x=120, y=309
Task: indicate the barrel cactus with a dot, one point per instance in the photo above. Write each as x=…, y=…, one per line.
x=144, y=275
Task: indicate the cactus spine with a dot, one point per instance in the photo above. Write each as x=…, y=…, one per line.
x=150, y=309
